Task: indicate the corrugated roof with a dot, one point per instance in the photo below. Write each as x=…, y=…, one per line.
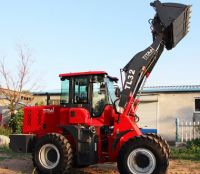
x=53, y=91
x=179, y=88
x=150, y=89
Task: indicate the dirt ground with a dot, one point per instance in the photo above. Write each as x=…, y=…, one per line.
x=23, y=165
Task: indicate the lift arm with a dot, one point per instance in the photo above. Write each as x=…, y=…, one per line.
x=140, y=66
x=169, y=26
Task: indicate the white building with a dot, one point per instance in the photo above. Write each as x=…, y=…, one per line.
x=160, y=106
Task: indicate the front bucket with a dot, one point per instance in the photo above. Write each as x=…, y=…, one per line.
x=171, y=20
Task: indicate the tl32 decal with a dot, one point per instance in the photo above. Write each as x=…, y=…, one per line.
x=130, y=78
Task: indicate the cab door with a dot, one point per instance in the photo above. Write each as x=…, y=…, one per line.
x=81, y=90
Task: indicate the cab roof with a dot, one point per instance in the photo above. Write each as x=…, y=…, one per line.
x=83, y=73
x=88, y=73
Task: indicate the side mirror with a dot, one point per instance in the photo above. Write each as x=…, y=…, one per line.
x=117, y=92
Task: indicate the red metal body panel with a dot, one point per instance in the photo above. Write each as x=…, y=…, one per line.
x=52, y=116
x=78, y=116
x=82, y=73
x=41, y=120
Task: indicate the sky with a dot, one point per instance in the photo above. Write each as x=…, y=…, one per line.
x=76, y=35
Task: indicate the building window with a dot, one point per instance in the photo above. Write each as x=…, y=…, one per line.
x=25, y=98
x=197, y=104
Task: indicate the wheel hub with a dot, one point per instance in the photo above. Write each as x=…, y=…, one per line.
x=49, y=156
x=141, y=161
x=52, y=155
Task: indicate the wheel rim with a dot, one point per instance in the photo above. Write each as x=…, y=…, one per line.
x=49, y=156
x=141, y=161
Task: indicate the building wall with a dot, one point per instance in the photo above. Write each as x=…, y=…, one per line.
x=25, y=99
x=42, y=99
x=169, y=106
x=4, y=111
x=4, y=102
x=175, y=105
x=147, y=111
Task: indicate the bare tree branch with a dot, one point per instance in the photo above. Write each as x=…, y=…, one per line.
x=15, y=84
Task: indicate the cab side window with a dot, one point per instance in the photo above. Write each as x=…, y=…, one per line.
x=64, y=91
x=81, y=90
x=99, y=99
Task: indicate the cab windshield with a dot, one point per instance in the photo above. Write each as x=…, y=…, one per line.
x=111, y=90
x=103, y=94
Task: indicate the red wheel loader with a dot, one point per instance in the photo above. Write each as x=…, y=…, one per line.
x=95, y=121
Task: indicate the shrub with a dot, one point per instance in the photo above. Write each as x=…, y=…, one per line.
x=194, y=145
x=195, y=142
x=190, y=152
x=16, y=122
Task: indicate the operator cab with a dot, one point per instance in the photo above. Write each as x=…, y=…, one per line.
x=92, y=90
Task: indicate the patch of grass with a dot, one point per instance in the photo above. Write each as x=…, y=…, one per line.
x=5, y=131
x=190, y=152
x=185, y=154
x=5, y=149
x=11, y=154
x=3, y=158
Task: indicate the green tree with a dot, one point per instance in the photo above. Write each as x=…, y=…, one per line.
x=16, y=121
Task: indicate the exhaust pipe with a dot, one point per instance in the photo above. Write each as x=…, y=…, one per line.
x=171, y=21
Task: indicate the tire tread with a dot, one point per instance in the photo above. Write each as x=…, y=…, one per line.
x=66, y=149
x=143, y=141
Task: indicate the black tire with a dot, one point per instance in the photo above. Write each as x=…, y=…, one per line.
x=163, y=142
x=53, y=154
x=142, y=155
